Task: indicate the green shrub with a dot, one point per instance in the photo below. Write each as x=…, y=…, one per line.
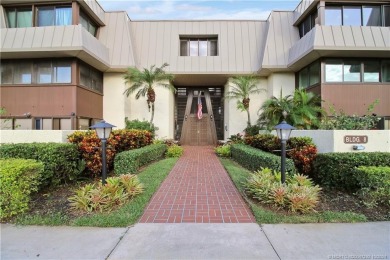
x=223, y=151
x=131, y=161
x=89, y=145
x=252, y=130
x=141, y=125
x=174, y=151
x=339, y=170
x=105, y=198
x=253, y=159
x=300, y=195
x=301, y=150
x=18, y=179
x=61, y=161
x=375, y=185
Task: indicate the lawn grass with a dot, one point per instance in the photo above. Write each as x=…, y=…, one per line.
x=239, y=175
x=152, y=176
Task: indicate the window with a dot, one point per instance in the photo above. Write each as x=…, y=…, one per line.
x=309, y=75
x=36, y=72
x=386, y=71
x=87, y=23
x=352, y=71
x=357, y=71
x=333, y=71
x=352, y=15
x=19, y=17
x=371, y=71
x=358, y=15
x=307, y=24
x=199, y=46
x=91, y=78
x=54, y=15
x=386, y=15
x=333, y=15
x=371, y=16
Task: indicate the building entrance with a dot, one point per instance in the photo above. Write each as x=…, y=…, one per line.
x=194, y=128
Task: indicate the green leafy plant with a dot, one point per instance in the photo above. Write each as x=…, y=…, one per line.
x=375, y=185
x=144, y=82
x=252, y=130
x=174, y=151
x=300, y=149
x=131, y=161
x=341, y=121
x=300, y=195
x=104, y=198
x=254, y=159
x=18, y=179
x=141, y=125
x=223, y=150
x=241, y=88
x=62, y=161
x=303, y=110
x=89, y=146
x=339, y=170
x=236, y=139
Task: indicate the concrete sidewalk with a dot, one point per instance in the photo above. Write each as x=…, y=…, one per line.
x=199, y=241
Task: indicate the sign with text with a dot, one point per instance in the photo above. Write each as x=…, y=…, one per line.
x=355, y=139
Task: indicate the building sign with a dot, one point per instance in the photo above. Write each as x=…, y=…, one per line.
x=355, y=139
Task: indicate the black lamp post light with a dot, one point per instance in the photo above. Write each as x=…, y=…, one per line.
x=103, y=131
x=283, y=130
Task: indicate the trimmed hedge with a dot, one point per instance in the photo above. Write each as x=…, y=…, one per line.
x=130, y=161
x=375, y=184
x=254, y=159
x=339, y=170
x=18, y=179
x=61, y=161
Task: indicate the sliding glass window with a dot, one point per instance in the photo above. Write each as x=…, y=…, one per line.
x=54, y=15
x=371, y=16
x=352, y=15
x=19, y=17
x=333, y=15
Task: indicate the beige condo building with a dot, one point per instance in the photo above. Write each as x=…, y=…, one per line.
x=62, y=63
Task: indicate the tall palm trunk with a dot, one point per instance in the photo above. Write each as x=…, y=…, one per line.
x=249, y=118
x=152, y=116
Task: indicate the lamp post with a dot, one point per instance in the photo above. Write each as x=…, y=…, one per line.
x=103, y=131
x=283, y=130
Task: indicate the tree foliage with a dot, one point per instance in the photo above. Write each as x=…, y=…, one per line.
x=303, y=110
x=143, y=83
x=241, y=88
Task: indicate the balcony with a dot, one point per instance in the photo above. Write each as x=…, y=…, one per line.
x=340, y=41
x=53, y=41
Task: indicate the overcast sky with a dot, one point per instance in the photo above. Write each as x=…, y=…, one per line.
x=201, y=9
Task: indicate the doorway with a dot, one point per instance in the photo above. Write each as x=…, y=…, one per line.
x=192, y=129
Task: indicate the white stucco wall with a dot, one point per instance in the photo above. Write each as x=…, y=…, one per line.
x=115, y=105
x=236, y=120
x=163, y=114
x=281, y=80
x=328, y=141
x=31, y=136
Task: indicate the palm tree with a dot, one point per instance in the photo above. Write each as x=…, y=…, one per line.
x=271, y=112
x=144, y=82
x=303, y=110
x=242, y=87
x=307, y=111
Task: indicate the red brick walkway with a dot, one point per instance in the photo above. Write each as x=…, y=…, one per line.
x=197, y=190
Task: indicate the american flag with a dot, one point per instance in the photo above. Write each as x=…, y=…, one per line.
x=199, y=107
